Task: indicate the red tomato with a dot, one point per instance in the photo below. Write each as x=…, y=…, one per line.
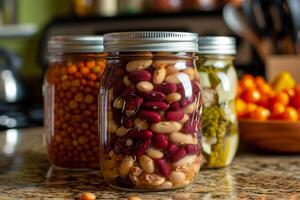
x=280, y=97
x=295, y=101
x=276, y=110
x=264, y=101
x=260, y=113
x=290, y=113
x=251, y=96
x=297, y=89
x=239, y=90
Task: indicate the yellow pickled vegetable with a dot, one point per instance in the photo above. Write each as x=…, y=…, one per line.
x=282, y=81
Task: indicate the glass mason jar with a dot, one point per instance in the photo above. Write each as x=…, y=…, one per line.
x=219, y=84
x=71, y=89
x=150, y=117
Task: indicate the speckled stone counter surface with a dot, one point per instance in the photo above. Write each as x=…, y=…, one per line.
x=25, y=173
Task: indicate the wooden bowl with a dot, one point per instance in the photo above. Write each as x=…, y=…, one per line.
x=272, y=135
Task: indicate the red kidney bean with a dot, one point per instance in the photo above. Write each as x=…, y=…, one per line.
x=163, y=167
x=133, y=102
x=155, y=105
x=141, y=149
x=196, y=89
x=160, y=141
x=128, y=91
x=175, y=106
x=190, y=126
x=187, y=101
x=153, y=96
x=179, y=154
x=174, y=115
x=150, y=115
x=166, y=88
x=192, y=149
x=141, y=135
x=172, y=148
x=137, y=76
x=128, y=123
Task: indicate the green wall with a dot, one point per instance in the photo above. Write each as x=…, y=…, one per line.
x=39, y=12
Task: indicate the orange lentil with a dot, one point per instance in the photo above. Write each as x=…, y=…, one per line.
x=87, y=113
x=84, y=125
x=91, y=64
x=78, y=75
x=72, y=69
x=92, y=77
x=90, y=84
x=89, y=99
x=73, y=90
x=96, y=69
x=73, y=104
x=83, y=106
x=79, y=97
x=85, y=70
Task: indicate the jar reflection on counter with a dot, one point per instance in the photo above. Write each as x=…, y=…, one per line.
x=150, y=118
x=71, y=89
x=219, y=82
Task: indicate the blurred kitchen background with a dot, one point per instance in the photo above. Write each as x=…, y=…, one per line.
x=263, y=28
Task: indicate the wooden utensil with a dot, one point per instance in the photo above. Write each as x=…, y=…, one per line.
x=272, y=135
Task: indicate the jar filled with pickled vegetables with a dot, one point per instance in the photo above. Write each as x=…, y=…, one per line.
x=219, y=82
x=71, y=89
x=150, y=111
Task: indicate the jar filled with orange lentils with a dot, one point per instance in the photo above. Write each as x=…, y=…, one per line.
x=71, y=89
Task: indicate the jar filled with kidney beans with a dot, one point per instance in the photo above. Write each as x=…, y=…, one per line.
x=150, y=111
x=71, y=89
x=219, y=117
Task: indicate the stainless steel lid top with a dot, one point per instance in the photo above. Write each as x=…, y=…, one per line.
x=75, y=44
x=151, y=41
x=217, y=45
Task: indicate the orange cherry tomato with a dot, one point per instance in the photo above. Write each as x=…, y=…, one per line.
x=260, y=113
x=259, y=80
x=241, y=107
x=280, y=97
x=265, y=88
x=290, y=113
x=250, y=108
x=290, y=92
x=247, y=82
x=251, y=96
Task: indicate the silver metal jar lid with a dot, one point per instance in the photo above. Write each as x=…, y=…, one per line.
x=217, y=45
x=75, y=44
x=151, y=41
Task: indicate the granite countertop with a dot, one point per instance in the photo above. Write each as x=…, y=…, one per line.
x=25, y=173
